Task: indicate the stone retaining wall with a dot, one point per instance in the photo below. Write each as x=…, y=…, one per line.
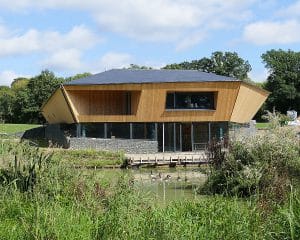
x=125, y=145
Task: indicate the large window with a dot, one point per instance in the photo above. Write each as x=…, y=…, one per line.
x=143, y=131
x=190, y=100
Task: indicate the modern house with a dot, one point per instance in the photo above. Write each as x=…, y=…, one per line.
x=151, y=110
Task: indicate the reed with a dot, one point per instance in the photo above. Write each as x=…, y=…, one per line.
x=68, y=203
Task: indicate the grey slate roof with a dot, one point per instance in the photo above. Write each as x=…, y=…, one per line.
x=123, y=76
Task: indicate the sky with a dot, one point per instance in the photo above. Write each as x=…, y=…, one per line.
x=75, y=36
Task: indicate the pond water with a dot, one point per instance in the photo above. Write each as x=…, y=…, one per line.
x=169, y=184
x=162, y=184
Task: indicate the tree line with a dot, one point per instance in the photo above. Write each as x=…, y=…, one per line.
x=21, y=102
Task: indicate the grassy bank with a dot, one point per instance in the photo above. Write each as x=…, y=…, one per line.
x=262, y=125
x=84, y=209
x=14, y=128
x=64, y=202
x=88, y=158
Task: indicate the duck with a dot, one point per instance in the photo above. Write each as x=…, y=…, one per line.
x=153, y=177
x=159, y=177
x=167, y=177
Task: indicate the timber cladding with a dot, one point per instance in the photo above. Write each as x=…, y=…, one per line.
x=147, y=102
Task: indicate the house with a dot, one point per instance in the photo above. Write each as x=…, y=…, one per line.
x=151, y=110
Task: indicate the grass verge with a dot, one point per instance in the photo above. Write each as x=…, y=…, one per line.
x=89, y=158
x=14, y=128
x=262, y=125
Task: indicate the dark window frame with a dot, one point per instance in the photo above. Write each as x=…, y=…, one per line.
x=204, y=101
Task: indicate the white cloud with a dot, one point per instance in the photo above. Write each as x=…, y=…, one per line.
x=21, y=44
x=293, y=10
x=190, y=41
x=267, y=32
x=259, y=76
x=78, y=37
x=156, y=20
x=66, y=59
x=7, y=77
x=113, y=60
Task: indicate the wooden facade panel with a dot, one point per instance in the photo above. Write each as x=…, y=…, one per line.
x=101, y=102
x=248, y=102
x=57, y=110
x=148, y=102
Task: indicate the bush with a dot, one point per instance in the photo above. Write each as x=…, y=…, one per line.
x=24, y=163
x=263, y=164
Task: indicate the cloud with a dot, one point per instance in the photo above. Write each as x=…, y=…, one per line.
x=293, y=10
x=259, y=76
x=64, y=60
x=190, y=41
x=113, y=60
x=156, y=20
x=22, y=44
x=7, y=77
x=268, y=32
x=79, y=37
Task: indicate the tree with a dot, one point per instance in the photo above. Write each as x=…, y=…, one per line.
x=227, y=64
x=19, y=83
x=138, y=67
x=7, y=98
x=38, y=90
x=284, y=79
x=77, y=76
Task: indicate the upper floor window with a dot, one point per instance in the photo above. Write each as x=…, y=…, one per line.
x=190, y=100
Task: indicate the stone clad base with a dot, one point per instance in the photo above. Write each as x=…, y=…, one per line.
x=138, y=146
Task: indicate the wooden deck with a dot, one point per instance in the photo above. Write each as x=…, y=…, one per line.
x=172, y=159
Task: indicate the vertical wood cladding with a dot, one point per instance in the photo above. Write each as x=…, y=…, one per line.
x=107, y=103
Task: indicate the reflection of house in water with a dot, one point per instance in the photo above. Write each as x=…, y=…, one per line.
x=151, y=110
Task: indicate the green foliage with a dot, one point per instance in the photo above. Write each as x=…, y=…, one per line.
x=7, y=98
x=262, y=125
x=22, y=102
x=77, y=76
x=15, y=128
x=89, y=158
x=263, y=165
x=38, y=90
x=284, y=79
x=138, y=67
x=275, y=119
x=227, y=64
x=24, y=165
x=67, y=203
x=19, y=83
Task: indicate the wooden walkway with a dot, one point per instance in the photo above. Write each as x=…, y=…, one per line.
x=172, y=159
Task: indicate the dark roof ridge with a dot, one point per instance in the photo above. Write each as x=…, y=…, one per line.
x=123, y=76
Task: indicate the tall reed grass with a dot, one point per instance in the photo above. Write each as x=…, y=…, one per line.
x=67, y=203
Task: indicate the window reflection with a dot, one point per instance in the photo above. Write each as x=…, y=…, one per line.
x=190, y=100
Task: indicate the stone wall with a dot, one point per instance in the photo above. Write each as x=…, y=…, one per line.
x=125, y=145
x=50, y=135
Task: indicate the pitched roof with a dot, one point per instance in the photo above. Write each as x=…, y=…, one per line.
x=123, y=76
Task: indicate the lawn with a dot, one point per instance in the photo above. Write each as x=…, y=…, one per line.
x=14, y=128
x=88, y=158
x=48, y=198
x=262, y=125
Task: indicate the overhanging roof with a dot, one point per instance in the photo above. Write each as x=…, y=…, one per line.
x=124, y=76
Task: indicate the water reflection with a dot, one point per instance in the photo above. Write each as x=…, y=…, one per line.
x=169, y=184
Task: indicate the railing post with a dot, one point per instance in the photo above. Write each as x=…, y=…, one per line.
x=105, y=130
x=192, y=135
x=163, y=126
x=130, y=130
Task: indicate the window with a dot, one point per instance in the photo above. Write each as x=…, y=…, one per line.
x=143, y=131
x=190, y=100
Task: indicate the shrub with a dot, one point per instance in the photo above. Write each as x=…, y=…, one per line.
x=24, y=164
x=262, y=164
